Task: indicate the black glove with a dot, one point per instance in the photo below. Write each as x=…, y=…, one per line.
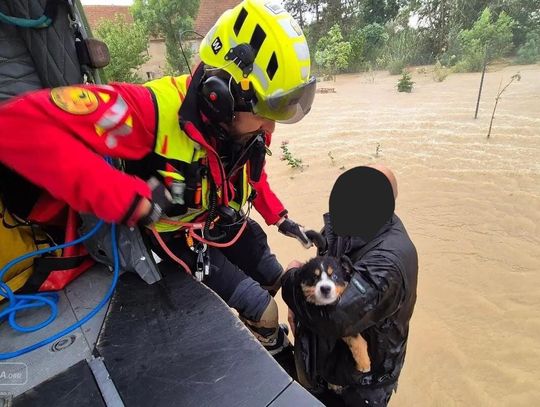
x=318, y=240
x=161, y=201
x=293, y=229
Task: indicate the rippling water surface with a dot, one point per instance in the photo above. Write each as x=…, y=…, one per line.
x=471, y=205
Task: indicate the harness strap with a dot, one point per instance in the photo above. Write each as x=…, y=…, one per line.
x=41, y=22
x=49, y=14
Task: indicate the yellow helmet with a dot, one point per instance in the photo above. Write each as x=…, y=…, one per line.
x=265, y=51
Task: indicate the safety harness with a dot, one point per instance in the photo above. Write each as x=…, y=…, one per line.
x=203, y=188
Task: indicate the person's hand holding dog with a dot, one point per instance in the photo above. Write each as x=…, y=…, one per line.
x=290, y=316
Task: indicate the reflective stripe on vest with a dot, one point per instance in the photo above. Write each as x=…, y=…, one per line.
x=237, y=204
x=173, y=143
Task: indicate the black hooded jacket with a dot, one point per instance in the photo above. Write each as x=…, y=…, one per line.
x=378, y=303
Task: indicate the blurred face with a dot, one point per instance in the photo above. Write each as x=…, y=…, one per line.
x=246, y=124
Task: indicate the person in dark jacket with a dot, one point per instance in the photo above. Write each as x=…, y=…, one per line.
x=378, y=302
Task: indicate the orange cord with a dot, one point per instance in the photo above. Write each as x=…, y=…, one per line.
x=219, y=245
x=191, y=234
x=168, y=251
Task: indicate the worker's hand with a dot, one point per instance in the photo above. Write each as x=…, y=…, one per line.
x=161, y=201
x=292, y=229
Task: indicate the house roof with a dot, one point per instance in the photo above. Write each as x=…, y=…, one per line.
x=95, y=14
x=209, y=11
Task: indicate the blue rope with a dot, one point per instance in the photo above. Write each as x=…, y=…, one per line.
x=41, y=22
x=17, y=302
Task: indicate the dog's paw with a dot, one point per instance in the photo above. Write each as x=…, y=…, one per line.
x=363, y=368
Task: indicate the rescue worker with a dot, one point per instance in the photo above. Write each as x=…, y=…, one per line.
x=377, y=303
x=194, y=148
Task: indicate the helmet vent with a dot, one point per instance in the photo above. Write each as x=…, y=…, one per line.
x=272, y=66
x=257, y=39
x=240, y=21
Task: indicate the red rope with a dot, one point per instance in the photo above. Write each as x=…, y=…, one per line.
x=214, y=244
x=191, y=231
x=168, y=251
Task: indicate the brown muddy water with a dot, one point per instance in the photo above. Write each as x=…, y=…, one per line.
x=470, y=204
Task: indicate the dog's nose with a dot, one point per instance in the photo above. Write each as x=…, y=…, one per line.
x=325, y=290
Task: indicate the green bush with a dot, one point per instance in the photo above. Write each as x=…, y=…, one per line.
x=356, y=59
x=486, y=38
x=127, y=43
x=167, y=19
x=366, y=46
x=332, y=53
x=440, y=72
x=496, y=36
x=405, y=47
x=405, y=84
x=396, y=66
x=375, y=37
x=450, y=55
x=529, y=52
x=472, y=61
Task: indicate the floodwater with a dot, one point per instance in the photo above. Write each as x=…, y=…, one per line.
x=470, y=204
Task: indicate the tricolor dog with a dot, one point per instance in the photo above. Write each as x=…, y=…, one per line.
x=323, y=280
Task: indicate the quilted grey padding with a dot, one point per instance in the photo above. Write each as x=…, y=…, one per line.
x=17, y=71
x=31, y=59
x=35, y=58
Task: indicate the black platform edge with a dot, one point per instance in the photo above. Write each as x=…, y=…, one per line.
x=73, y=387
x=176, y=343
x=295, y=396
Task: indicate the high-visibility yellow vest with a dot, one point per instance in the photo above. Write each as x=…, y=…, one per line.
x=173, y=143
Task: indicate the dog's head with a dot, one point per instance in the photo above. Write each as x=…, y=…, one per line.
x=323, y=279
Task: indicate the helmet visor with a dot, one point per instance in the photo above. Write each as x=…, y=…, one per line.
x=289, y=107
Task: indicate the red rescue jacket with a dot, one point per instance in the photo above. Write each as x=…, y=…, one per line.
x=57, y=139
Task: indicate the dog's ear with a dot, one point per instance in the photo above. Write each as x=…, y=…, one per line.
x=347, y=264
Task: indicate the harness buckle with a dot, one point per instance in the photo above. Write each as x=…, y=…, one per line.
x=199, y=267
x=202, y=265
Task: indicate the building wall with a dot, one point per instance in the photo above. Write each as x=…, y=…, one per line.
x=155, y=67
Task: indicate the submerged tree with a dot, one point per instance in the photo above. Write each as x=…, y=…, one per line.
x=517, y=78
x=405, y=83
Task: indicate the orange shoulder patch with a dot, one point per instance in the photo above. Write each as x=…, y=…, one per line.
x=75, y=99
